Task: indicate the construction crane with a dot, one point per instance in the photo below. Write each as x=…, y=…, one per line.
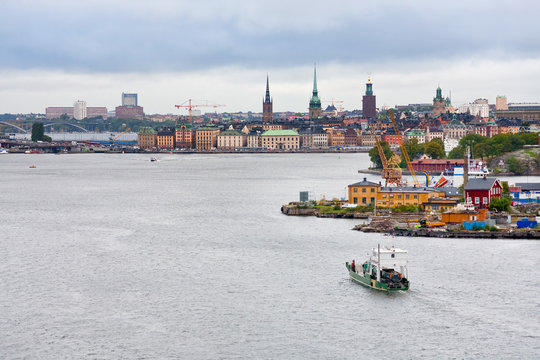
x=191, y=106
x=391, y=172
x=117, y=136
x=403, y=149
x=337, y=102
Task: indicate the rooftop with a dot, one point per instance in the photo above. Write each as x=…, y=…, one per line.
x=280, y=133
x=480, y=184
x=365, y=183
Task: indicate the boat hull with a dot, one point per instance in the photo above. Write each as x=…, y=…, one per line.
x=366, y=280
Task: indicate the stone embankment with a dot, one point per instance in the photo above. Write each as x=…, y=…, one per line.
x=314, y=211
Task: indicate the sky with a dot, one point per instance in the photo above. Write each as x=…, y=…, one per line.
x=54, y=52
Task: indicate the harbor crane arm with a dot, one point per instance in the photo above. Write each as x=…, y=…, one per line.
x=190, y=106
x=403, y=149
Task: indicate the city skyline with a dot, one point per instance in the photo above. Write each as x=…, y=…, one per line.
x=169, y=51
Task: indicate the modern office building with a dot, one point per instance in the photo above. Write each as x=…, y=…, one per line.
x=129, y=99
x=79, y=110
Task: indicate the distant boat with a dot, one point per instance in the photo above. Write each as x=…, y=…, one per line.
x=379, y=271
x=32, y=166
x=153, y=159
x=3, y=151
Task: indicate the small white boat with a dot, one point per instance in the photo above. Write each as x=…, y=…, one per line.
x=152, y=159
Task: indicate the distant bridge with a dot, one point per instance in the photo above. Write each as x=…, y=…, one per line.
x=15, y=126
x=70, y=124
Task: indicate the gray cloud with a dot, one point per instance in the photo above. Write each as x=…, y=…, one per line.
x=126, y=36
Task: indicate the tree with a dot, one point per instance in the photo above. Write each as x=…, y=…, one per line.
x=38, y=131
x=457, y=153
x=438, y=140
x=413, y=148
x=434, y=150
x=64, y=118
x=499, y=203
x=374, y=154
x=471, y=140
x=515, y=166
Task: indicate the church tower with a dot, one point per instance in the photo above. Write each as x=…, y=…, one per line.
x=315, y=109
x=369, y=102
x=438, y=103
x=268, y=114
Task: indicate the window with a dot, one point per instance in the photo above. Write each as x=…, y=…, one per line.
x=372, y=200
x=363, y=200
x=355, y=200
x=485, y=200
x=372, y=189
x=355, y=189
x=407, y=196
x=363, y=190
x=415, y=196
x=384, y=196
x=477, y=200
x=399, y=196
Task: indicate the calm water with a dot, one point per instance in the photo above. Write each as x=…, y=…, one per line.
x=113, y=256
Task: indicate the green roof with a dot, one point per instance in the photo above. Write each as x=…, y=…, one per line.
x=208, y=128
x=280, y=133
x=145, y=130
x=415, y=132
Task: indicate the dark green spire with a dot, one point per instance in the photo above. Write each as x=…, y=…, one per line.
x=439, y=94
x=315, y=102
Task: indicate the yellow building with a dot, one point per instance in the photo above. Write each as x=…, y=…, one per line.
x=165, y=139
x=439, y=204
x=396, y=196
x=363, y=192
x=206, y=137
x=280, y=139
x=231, y=139
x=146, y=138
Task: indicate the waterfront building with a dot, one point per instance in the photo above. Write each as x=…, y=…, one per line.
x=525, y=192
x=146, y=138
x=231, y=139
x=436, y=165
x=267, y=115
x=165, y=138
x=439, y=204
x=479, y=192
x=397, y=196
x=351, y=137
x=336, y=137
x=306, y=139
x=369, y=102
x=206, y=137
x=439, y=103
x=524, y=112
x=368, y=138
x=184, y=135
x=315, y=108
x=392, y=138
x=79, y=110
x=320, y=138
x=280, y=139
x=129, y=99
x=363, y=192
x=254, y=139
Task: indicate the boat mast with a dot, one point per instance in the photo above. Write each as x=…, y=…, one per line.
x=379, y=262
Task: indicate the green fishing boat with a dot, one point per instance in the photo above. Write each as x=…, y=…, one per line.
x=380, y=270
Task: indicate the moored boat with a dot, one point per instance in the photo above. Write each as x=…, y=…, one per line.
x=380, y=271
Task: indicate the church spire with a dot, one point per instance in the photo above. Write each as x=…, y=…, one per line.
x=267, y=97
x=315, y=92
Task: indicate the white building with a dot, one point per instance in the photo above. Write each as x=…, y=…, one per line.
x=79, y=110
x=479, y=107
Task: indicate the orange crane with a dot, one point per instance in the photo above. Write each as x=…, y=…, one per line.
x=122, y=133
x=391, y=172
x=403, y=149
x=191, y=106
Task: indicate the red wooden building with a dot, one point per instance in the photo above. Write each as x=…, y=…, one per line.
x=479, y=192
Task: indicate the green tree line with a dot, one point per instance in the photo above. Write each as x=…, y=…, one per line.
x=488, y=148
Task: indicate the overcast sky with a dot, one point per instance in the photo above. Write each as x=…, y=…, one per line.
x=53, y=52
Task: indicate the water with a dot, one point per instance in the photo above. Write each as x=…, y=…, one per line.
x=113, y=256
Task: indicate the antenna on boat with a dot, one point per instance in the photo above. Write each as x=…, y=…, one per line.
x=379, y=262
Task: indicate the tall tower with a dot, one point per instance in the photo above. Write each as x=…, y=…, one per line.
x=369, y=102
x=315, y=109
x=438, y=103
x=267, y=105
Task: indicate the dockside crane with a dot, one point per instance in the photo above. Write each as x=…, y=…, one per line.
x=403, y=149
x=391, y=172
x=190, y=106
x=117, y=136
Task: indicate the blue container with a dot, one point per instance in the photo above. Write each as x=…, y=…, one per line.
x=526, y=223
x=474, y=225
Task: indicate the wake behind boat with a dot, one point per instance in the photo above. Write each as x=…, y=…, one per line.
x=379, y=271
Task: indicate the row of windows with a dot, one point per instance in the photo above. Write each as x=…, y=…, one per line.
x=363, y=189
